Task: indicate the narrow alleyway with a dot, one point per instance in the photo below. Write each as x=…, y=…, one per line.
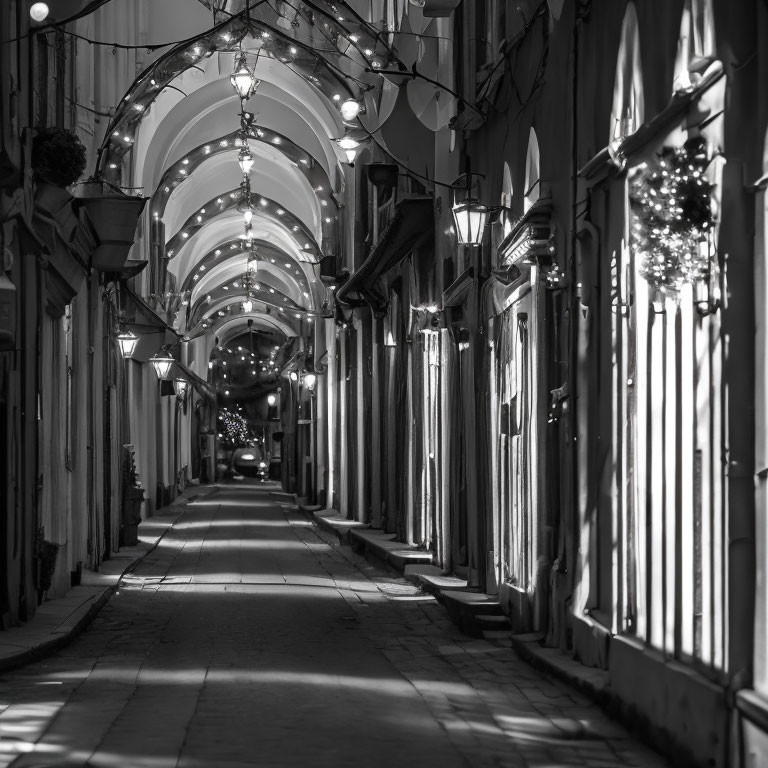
x=249, y=638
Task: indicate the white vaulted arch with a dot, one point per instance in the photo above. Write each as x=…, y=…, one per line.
x=696, y=44
x=532, y=172
x=628, y=110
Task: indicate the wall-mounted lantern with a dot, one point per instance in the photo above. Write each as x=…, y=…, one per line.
x=162, y=362
x=470, y=217
x=180, y=387
x=127, y=342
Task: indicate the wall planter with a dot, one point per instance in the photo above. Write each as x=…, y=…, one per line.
x=133, y=498
x=68, y=243
x=114, y=217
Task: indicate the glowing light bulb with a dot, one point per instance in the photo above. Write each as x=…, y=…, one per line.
x=347, y=142
x=39, y=11
x=349, y=109
x=246, y=161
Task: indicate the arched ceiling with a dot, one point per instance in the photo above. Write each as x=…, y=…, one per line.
x=178, y=133
x=271, y=239
x=331, y=49
x=228, y=283
x=227, y=147
x=283, y=102
x=233, y=250
x=226, y=203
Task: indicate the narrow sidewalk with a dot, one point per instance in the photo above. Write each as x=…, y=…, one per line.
x=58, y=620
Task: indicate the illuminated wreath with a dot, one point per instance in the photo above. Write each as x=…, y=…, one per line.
x=673, y=218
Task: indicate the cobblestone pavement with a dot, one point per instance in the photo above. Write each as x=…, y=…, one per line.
x=250, y=638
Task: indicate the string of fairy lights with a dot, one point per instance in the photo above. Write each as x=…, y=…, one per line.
x=365, y=50
x=233, y=428
x=241, y=363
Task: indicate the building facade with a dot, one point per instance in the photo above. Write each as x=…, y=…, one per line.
x=568, y=415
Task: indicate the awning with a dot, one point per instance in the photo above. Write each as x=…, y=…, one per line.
x=412, y=225
x=456, y=293
x=203, y=387
x=152, y=330
x=456, y=297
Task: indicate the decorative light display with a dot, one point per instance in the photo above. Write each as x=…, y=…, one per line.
x=233, y=428
x=554, y=277
x=127, y=342
x=673, y=218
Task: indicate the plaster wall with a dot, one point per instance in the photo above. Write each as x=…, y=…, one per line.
x=669, y=701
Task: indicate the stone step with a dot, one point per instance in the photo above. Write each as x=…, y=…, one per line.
x=493, y=621
x=330, y=520
x=464, y=607
x=383, y=546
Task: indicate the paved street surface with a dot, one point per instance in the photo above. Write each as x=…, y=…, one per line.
x=250, y=638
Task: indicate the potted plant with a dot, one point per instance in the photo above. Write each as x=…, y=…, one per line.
x=58, y=160
x=58, y=157
x=133, y=498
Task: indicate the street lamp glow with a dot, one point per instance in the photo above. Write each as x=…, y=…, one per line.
x=470, y=218
x=350, y=109
x=271, y=399
x=246, y=161
x=127, y=342
x=351, y=155
x=347, y=142
x=243, y=80
x=162, y=362
x=310, y=380
x=39, y=11
x=247, y=305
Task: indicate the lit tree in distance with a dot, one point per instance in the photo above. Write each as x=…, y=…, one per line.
x=233, y=428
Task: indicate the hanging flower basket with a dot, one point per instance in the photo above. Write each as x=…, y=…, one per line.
x=114, y=216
